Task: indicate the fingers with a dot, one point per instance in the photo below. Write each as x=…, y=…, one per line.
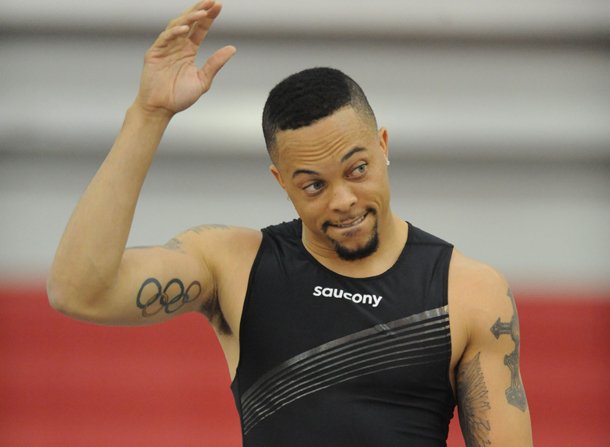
x=193, y=23
x=189, y=19
x=170, y=34
x=203, y=24
x=200, y=6
x=200, y=17
x=214, y=63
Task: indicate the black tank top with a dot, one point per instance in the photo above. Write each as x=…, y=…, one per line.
x=330, y=361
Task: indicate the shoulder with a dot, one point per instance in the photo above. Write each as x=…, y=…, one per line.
x=479, y=295
x=472, y=279
x=221, y=244
x=227, y=253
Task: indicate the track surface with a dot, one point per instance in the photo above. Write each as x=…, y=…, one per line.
x=67, y=383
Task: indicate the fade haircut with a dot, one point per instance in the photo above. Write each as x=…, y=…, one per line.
x=308, y=96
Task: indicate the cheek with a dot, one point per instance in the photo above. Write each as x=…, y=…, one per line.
x=308, y=210
x=378, y=185
x=313, y=211
x=371, y=189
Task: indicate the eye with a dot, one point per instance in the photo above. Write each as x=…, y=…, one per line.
x=359, y=170
x=313, y=187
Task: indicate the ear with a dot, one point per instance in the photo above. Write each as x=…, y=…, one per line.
x=383, y=141
x=278, y=176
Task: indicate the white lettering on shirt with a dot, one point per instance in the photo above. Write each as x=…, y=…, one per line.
x=357, y=298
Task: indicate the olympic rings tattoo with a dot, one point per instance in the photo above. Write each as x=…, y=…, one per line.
x=152, y=297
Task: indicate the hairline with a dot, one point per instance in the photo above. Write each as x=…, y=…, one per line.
x=364, y=112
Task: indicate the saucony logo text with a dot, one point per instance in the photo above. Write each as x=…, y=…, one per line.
x=358, y=298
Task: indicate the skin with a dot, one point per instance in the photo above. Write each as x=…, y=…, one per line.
x=335, y=173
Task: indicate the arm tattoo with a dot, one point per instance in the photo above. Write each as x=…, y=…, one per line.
x=201, y=228
x=473, y=403
x=174, y=244
x=515, y=394
x=153, y=298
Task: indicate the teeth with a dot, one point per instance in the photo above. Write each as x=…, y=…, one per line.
x=352, y=223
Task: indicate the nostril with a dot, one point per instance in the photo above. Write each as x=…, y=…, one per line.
x=343, y=198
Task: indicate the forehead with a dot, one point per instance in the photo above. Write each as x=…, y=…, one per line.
x=329, y=137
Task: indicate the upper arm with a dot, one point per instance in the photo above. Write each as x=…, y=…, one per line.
x=492, y=405
x=156, y=283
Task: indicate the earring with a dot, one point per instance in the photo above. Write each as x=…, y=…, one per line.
x=387, y=162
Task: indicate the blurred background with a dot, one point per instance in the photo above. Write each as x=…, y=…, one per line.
x=499, y=123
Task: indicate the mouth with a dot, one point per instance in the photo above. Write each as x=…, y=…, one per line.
x=350, y=223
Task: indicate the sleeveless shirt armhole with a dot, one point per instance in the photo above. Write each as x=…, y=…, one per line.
x=448, y=255
x=446, y=275
x=248, y=299
x=417, y=236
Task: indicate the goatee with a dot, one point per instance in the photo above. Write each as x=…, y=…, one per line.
x=355, y=254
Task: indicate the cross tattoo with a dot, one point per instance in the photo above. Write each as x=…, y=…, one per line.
x=515, y=395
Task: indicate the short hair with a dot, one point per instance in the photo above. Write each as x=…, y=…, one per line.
x=308, y=96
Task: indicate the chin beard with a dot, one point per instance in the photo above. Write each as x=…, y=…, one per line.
x=368, y=249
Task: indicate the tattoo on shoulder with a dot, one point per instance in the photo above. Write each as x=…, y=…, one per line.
x=174, y=244
x=140, y=247
x=153, y=297
x=473, y=403
x=201, y=228
x=515, y=394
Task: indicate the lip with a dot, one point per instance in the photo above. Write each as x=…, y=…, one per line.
x=350, y=223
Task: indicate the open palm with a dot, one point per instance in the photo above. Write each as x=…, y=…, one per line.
x=171, y=82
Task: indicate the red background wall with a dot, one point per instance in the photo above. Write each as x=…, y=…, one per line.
x=67, y=383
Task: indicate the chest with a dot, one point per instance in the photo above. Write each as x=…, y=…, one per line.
x=316, y=320
x=307, y=345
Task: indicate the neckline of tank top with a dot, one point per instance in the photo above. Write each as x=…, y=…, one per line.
x=400, y=260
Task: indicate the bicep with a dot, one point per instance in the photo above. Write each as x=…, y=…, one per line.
x=154, y=284
x=492, y=405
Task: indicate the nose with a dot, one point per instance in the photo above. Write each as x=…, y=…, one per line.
x=342, y=198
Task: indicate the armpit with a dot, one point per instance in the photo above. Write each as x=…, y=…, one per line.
x=211, y=309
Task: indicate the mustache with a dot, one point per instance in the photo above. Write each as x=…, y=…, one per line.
x=328, y=223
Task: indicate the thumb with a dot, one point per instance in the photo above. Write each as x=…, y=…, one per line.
x=214, y=63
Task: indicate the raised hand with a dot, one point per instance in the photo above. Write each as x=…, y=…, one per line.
x=170, y=81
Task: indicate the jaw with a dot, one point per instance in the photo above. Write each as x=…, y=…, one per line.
x=354, y=238
x=361, y=251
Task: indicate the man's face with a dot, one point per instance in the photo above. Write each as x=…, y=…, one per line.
x=335, y=174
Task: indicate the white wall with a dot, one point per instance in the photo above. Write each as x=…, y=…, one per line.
x=498, y=119
x=543, y=224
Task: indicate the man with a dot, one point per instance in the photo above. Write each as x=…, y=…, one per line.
x=335, y=326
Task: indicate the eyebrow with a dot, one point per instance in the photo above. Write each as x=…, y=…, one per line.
x=352, y=152
x=304, y=171
x=343, y=159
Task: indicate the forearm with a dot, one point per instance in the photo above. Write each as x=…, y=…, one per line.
x=90, y=252
x=88, y=259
